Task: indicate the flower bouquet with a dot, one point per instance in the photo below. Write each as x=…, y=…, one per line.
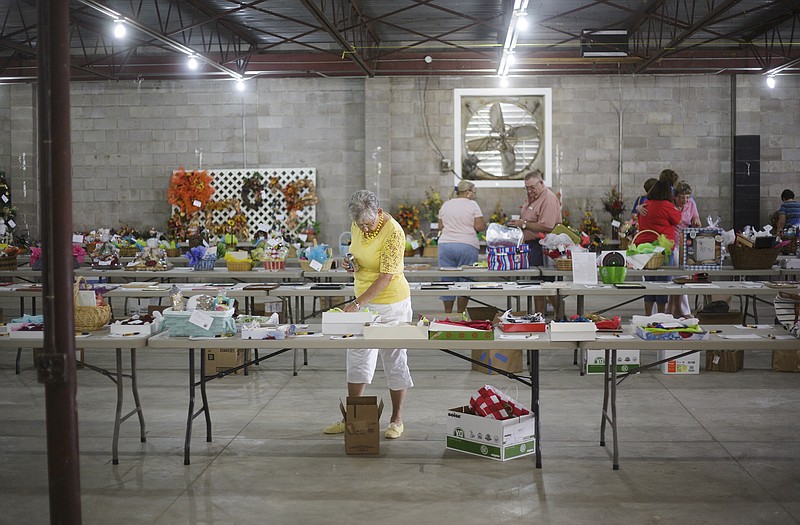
x=431, y=205
x=408, y=217
x=202, y=257
x=614, y=203
x=8, y=256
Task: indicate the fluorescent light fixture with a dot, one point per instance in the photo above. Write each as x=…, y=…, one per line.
x=517, y=23
x=522, y=23
x=771, y=82
x=192, y=63
x=119, y=29
x=240, y=84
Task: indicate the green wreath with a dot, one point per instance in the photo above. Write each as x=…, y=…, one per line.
x=252, y=186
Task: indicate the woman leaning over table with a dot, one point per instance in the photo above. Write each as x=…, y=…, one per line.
x=678, y=305
x=460, y=218
x=662, y=217
x=378, y=243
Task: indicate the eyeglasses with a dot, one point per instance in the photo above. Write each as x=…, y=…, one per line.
x=535, y=184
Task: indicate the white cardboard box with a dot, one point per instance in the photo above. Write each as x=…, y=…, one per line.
x=395, y=331
x=594, y=361
x=490, y=438
x=689, y=364
x=346, y=323
x=118, y=328
x=14, y=333
x=572, y=331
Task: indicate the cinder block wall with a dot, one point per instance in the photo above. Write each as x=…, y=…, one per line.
x=389, y=134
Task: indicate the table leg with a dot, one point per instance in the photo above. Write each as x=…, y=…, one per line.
x=614, y=406
x=118, y=412
x=137, y=402
x=17, y=363
x=187, y=442
x=533, y=358
x=206, y=412
x=604, y=411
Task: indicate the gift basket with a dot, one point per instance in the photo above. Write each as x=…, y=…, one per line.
x=431, y=244
x=561, y=243
x=8, y=257
x=315, y=258
x=752, y=250
x=202, y=258
x=505, y=249
x=219, y=310
x=152, y=257
x=665, y=327
x=105, y=255
x=649, y=255
x=89, y=317
x=238, y=261
x=272, y=252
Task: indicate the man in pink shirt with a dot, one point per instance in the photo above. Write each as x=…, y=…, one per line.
x=540, y=213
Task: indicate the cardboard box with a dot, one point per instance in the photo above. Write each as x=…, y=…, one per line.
x=572, y=331
x=362, y=418
x=686, y=365
x=448, y=332
x=724, y=360
x=489, y=438
x=506, y=360
x=345, y=323
x=222, y=359
x=15, y=332
x=483, y=313
x=117, y=328
x=594, y=361
x=786, y=360
x=395, y=331
x=643, y=333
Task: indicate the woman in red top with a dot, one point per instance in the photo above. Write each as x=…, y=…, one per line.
x=662, y=217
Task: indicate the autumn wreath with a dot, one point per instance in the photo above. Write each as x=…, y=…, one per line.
x=252, y=192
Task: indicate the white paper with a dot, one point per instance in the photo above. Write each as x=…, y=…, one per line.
x=5, y=199
x=584, y=268
x=615, y=223
x=11, y=223
x=197, y=204
x=77, y=239
x=752, y=326
x=414, y=245
x=607, y=336
x=302, y=236
x=519, y=336
x=315, y=265
x=201, y=319
x=744, y=336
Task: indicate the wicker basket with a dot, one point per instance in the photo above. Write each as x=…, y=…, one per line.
x=563, y=264
x=752, y=258
x=275, y=265
x=128, y=251
x=791, y=248
x=89, y=318
x=305, y=265
x=657, y=260
x=409, y=253
x=8, y=263
x=239, y=266
x=624, y=242
x=173, y=252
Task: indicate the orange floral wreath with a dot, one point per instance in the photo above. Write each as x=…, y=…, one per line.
x=187, y=188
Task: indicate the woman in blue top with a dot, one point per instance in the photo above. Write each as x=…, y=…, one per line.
x=789, y=212
x=649, y=183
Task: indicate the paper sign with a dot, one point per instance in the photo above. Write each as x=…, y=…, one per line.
x=414, y=245
x=273, y=242
x=5, y=199
x=615, y=223
x=77, y=239
x=302, y=236
x=584, y=268
x=11, y=223
x=201, y=319
x=264, y=196
x=197, y=204
x=263, y=227
x=315, y=265
x=658, y=249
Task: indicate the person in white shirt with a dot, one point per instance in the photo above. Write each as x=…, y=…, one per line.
x=460, y=218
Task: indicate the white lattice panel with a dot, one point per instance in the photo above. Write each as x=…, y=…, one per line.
x=272, y=212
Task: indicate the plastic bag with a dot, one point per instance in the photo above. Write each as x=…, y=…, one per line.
x=499, y=236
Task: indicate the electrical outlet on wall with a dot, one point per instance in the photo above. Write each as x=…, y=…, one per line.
x=445, y=165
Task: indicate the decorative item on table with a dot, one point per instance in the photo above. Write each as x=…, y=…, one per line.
x=493, y=403
x=668, y=328
x=91, y=311
x=602, y=323
x=461, y=330
x=152, y=257
x=105, y=255
x=431, y=244
x=238, y=261
x=591, y=229
x=407, y=215
x=560, y=244
x=272, y=251
x=262, y=327
x=127, y=247
x=505, y=249
x=177, y=298
x=315, y=258
x=204, y=316
x=790, y=233
x=755, y=250
x=138, y=325
x=627, y=232
x=613, y=274
x=411, y=247
x=614, y=205
x=700, y=248
x=202, y=258
x=78, y=254
x=498, y=216
x=431, y=206
x=8, y=256
x=345, y=239
x=534, y=322
x=170, y=247
x=649, y=255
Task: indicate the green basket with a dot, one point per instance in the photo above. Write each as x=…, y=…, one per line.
x=613, y=274
x=178, y=325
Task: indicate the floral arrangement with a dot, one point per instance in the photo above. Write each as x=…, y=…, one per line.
x=431, y=205
x=297, y=195
x=187, y=189
x=590, y=227
x=628, y=230
x=614, y=203
x=498, y=215
x=565, y=216
x=78, y=253
x=407, y=215
x=235, y=224
x=252, y=186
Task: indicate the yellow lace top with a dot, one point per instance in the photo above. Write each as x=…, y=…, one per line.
x=383, y=254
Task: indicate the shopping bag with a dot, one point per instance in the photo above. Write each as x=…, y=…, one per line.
x=493, y=403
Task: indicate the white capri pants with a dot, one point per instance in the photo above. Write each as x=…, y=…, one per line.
x=361, y=363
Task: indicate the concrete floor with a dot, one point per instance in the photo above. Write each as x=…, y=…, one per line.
x=709, y=448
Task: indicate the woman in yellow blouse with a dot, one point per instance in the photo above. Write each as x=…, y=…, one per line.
x=378, y=243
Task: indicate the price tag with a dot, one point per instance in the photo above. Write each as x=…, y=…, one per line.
x=11, y=223
x=414, y=245
x=263, y=227
x=197, y=204
x=315, y=265
x=615, y=223
x=77, y=239
x=658, y=249
x=4, y=197
x=273, y=242
x=201, y=319
x=264, y=195
x=302, y=236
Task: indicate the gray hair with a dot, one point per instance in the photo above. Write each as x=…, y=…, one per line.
x=363, y=206
x=683, y=188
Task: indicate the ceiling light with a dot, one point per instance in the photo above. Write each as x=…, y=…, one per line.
x=192, y=63
x=503, y=81
x=240, y=84
x=522, y=22
x=119, y=29
x=771, y=82
x=515, y=24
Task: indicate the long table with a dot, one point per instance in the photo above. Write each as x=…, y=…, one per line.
x=339, y=344
x=102, y=340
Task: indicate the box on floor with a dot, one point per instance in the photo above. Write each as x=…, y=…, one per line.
x=724, y=360
x=489, y=438
x=362, y=418
x=222, y=359
x=786, y=360
x=689, y=364
x=594, y=361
